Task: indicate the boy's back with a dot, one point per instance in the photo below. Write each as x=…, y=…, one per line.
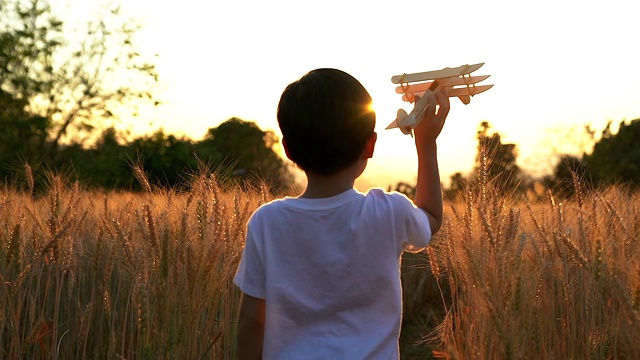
x=328, y=270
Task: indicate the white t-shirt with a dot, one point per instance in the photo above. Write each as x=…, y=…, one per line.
x=329, y=271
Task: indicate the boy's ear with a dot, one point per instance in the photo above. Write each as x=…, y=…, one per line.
x=370, y=145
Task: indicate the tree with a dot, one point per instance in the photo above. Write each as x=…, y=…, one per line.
x=22, y=137
x=616, y=157
x=563, y=142
x=106, y=164
x=243, y=149
x=166, y=159
x=457, y=185
x=571, y=174
x=19, y=131
x=495, y=160
x=75, y=79
x=236, y=150
x=404, y=188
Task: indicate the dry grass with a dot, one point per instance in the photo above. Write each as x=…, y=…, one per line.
x=540, y=279
x=147, y=276
x=106, y=276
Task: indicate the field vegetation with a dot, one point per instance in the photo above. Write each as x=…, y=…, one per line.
x=121, y=275
x=531, y=277
x=107, y=275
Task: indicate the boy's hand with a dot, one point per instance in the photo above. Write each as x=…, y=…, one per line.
x=430, y=126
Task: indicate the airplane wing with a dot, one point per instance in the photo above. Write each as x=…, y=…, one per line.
x=448, y=82
x=462, y=91
x=436, y=74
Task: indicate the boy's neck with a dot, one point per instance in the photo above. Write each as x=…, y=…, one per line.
x=323, y=186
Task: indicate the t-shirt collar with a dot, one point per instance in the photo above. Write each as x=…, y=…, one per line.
x=323, y=203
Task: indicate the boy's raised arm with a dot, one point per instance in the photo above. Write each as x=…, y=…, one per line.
x=428, y=189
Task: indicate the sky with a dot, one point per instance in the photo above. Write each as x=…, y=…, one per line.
x=555, y=65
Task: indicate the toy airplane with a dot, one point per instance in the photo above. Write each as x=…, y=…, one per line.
x=458, y=82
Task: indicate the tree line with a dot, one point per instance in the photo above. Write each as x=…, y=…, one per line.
x=238, y=152
x=614, y=160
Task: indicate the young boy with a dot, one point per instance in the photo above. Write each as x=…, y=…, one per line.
x=319, y=273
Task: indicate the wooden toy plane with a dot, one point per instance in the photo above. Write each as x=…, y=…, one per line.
x=458, y=82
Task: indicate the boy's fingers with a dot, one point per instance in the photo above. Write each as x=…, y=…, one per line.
x=444, y=91
x=443, y=102
x=432, y=104
x=443, y=98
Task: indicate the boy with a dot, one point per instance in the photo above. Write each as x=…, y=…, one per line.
x=319, y=273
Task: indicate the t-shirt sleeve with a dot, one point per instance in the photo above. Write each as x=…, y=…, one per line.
x=413, y=224
x=250, y=276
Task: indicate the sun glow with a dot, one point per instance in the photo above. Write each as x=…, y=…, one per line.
x=372, y=107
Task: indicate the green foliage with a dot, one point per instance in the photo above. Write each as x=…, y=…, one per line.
x=495, y=160
x=165, y=158
x=616, y=157
x=458, y=184
x=76, y=77
x=248, y=152
x=571, y=173
x=495, y=165
x=238, y=151
x=404, y=188
x=22, y=136
x=106, y=165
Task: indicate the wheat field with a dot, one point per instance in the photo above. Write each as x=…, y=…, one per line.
x=87, y=275
x=539, y=278
x=91, y=275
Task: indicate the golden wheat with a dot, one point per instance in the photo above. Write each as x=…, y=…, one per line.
x=120, y=275
x=93, y=276
x=561, y=283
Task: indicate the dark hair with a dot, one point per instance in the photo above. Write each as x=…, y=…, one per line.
x=325, y=119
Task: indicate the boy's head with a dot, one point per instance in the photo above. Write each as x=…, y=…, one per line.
x=326, y=119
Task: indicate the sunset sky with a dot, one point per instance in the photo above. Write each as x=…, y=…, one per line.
x=554, y=64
